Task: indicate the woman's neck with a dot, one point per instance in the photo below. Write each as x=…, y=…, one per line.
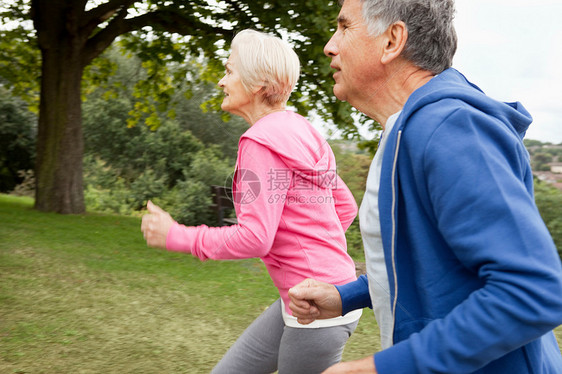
x=261, y=111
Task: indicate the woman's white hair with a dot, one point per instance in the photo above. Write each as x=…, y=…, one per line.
x=268, y=61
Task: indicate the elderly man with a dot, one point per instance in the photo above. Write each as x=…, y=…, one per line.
x=463, y=275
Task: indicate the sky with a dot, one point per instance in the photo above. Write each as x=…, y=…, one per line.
x=512, y=50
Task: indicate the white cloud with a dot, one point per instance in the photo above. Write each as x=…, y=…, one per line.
x=512, y=49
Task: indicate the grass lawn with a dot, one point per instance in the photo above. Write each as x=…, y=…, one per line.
x=83, y=294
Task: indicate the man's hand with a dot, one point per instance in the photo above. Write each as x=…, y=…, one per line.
x=311, y=300
x=364, y=366
x=155, y=226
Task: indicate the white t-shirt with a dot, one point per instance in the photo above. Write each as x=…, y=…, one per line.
x=350, y=317
x=372, y=241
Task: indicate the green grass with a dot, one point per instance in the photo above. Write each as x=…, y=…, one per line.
x=83, y=294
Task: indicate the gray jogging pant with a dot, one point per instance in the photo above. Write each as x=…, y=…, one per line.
x=268, y=345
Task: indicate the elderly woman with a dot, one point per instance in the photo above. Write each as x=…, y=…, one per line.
x=292, y=212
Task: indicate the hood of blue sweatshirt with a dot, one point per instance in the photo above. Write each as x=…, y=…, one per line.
x=452, y=84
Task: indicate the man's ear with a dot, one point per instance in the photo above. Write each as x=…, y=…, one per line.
x=396, y=37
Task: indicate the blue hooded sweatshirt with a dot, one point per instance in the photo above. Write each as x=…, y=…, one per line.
x=475, y=279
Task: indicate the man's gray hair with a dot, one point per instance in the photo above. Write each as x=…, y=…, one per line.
x=432, y=40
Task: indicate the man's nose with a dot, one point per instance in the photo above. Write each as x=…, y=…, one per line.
x=330, y=48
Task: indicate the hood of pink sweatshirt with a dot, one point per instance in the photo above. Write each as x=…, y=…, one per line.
x=304, y=151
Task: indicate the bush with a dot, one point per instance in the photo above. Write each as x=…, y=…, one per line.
x=105, y=191
x=126, y=166
x=18, y=131
x=147, y=186
x=549, y=201
x=113, y=190
x=27, y=186
x=355, y=242
x=189, y=203
x=353, y=168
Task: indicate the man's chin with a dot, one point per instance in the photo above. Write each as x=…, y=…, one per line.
x=338, y=93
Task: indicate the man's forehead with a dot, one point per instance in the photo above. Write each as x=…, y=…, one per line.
x=349, y=11
x=342, y=19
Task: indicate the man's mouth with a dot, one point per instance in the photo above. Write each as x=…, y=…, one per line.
x=336, y=72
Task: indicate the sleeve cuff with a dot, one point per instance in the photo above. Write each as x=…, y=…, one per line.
x=397, y=359
x=355, y=295
x=180, y=238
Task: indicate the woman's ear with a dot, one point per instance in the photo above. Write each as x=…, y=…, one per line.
x=258, y=88
x=396, y=37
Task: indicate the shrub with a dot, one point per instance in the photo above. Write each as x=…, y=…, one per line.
x=549, y=201
x=189, y=203
x=104, y=190
x=18, y=131
x=27, y=186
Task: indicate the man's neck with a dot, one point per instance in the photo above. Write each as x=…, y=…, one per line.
x=395, y=90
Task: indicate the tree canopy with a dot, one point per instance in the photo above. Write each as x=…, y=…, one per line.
x=50, y=52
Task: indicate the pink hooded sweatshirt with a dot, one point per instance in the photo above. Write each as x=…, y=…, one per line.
x=292, y=207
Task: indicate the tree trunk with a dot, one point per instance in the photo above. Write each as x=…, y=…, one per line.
x=60, y=144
